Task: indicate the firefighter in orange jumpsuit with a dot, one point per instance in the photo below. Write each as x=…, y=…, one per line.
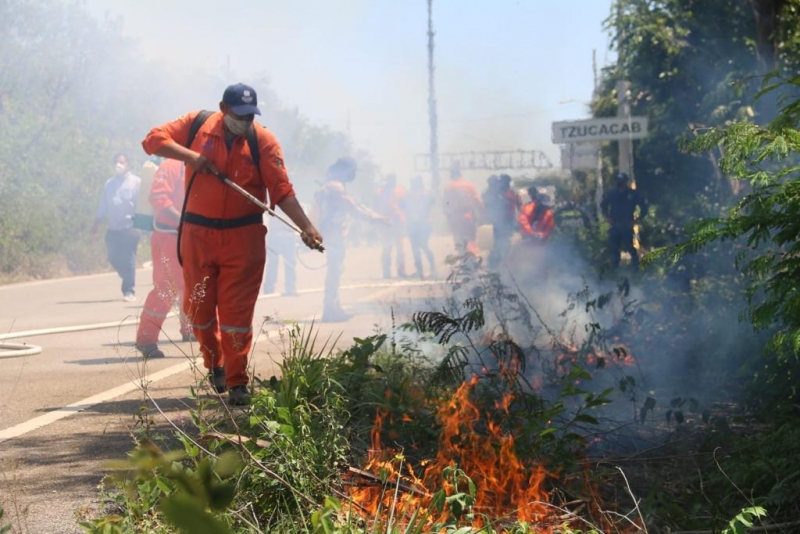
x=387, y=203
x=462, y=207
x=536, y=222
x=166, y=197
x=222, y=240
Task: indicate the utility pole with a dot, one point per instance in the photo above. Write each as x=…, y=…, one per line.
x=432, y=120
x=598, y=192
x=625, y=145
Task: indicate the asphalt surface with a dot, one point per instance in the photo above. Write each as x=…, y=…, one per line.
x=67, y=410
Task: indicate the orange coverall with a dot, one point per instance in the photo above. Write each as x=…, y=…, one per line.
x=166, y=192
x=537, y=225
x=224, y=248
x=461, y=207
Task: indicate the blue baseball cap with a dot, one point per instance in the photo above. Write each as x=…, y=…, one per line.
x=242, y=99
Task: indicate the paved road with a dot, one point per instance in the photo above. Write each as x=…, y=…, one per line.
x=68, y=409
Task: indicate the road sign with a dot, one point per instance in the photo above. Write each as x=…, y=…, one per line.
x=605, y=129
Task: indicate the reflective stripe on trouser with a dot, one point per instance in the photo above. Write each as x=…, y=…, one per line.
x=222, y=271
x=167, y=289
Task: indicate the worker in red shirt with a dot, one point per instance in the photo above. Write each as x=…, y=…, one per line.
x=387, y=203
x=166, y=197
x=462, y=207
x=223, y=235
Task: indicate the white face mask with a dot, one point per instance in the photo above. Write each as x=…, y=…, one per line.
x=236, y=126
x=121, y=168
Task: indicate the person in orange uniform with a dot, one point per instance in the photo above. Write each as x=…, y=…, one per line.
x=166, y=197
x=223, y=235
x=462, y=207
x=528, y=260
x=387, y=203
x=536, y=220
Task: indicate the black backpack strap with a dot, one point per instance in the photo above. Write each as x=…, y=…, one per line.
x=197, y=123
x=252, y=142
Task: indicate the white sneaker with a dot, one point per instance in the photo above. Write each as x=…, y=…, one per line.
x=130, y=297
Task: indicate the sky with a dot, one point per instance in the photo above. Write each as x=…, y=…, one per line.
x=505, y=70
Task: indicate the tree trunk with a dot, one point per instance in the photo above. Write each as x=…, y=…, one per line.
x=766, y=14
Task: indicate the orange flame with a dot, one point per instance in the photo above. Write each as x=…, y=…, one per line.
x=619, y=355
x=506, y=486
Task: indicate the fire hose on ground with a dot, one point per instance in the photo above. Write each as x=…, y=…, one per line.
x=17, y=350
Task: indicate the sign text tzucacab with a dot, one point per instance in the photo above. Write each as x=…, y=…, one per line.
x=605, y=129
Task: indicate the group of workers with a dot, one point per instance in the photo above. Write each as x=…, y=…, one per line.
x=407, y=214
x=208, y=240
x=501, y=207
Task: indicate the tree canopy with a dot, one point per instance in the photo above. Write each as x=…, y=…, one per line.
x=719, y=81
x=693, y=65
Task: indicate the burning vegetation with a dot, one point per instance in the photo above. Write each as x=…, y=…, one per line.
x=476, y=474
x=482, y=414
x=506, y=427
